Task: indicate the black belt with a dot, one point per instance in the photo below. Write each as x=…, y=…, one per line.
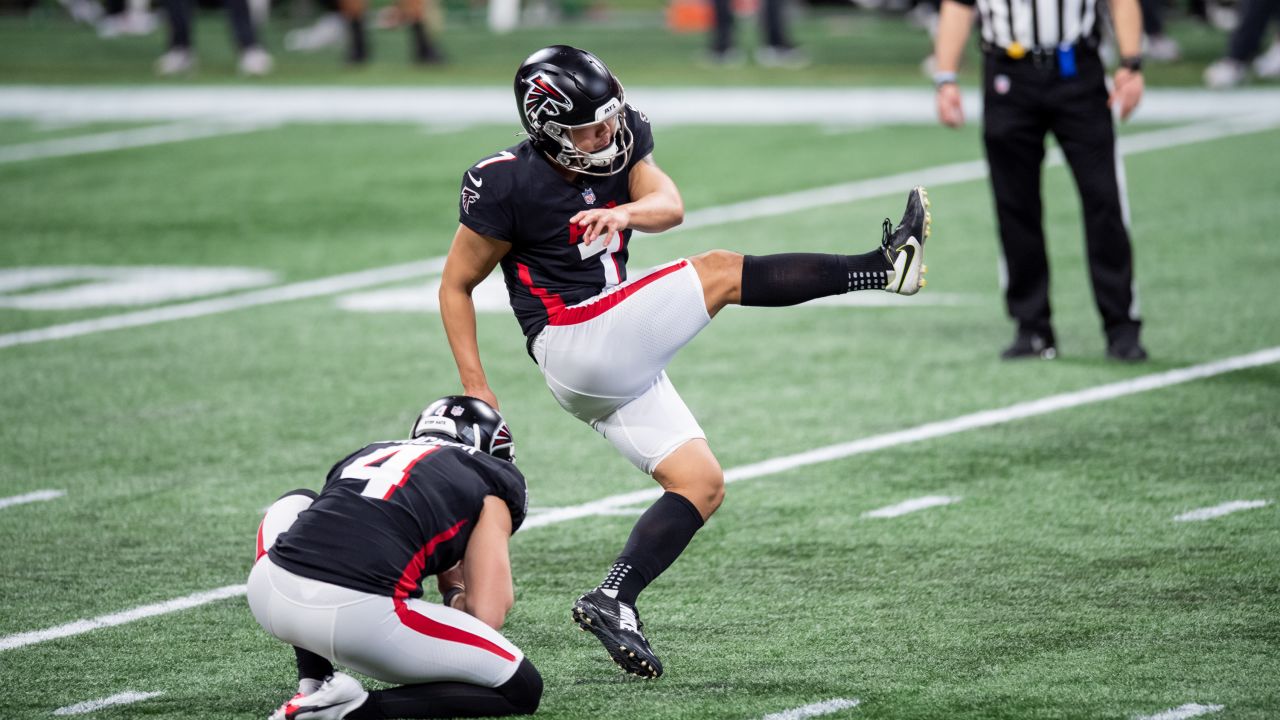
x=1040, y=57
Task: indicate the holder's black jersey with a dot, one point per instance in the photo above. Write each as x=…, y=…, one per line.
x=518, y=196
x=395, y=512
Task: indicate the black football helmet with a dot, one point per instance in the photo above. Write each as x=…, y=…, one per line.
x=560, y=88
x=470, y=421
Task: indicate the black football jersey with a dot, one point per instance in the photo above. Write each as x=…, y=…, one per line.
x=395, y=512
x=519, y=197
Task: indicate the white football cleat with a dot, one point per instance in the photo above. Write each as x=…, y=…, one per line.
x=255, y=62
x=176, y=62
x=1267, y=65
x=339, y=695
x=1225, y=73
x=903, y=246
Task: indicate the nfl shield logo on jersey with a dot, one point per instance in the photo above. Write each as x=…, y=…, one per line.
x=589, y=196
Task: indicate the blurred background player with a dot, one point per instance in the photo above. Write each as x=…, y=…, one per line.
x=557, y=212
x=409, y=13
x=1255, y=17
x=776, y=48
x=180, y=57
x=338, y=575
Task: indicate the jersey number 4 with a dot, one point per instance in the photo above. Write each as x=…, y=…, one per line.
x=387, y=469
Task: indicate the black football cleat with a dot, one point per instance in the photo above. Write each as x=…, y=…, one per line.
x=1027, y=344
x=903, y=246
x=618, y=627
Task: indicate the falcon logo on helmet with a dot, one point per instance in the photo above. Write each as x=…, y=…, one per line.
x=543, y=99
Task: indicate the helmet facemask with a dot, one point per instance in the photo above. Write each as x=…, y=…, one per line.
x=609, y=160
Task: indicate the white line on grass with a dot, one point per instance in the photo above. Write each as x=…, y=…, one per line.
x=1182, y=712
x=761, y=207
x=772, y=466
x=37, y=496
x=200, y=308
x=826, y=707
x=122, y=139
x=124, y=698
x=1226, y=508
x=83, y=626
x=910, y=506
x=928, y=431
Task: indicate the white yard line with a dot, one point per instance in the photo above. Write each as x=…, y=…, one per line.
x=37, y=496
x=1182, y=712
x=668, y=107
x=122, y=139
x=1226, y=508
x=200, y=308
x=124, y=698
x=826, y=707
x=772, y=466
x=83, y=626
x=932, y=430
x=761, y=207
x=910, y=506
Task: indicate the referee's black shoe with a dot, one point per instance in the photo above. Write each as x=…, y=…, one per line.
x=903, y=246
x=1123, y=345
x=618, y=627
x=1031, y=344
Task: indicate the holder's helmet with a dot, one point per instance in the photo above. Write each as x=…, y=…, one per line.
x=560, y=88
x=470, y=421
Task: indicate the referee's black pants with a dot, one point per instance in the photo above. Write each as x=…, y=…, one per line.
x=1023, y=100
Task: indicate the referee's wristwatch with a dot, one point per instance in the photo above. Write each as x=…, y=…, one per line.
x=943, y=78
x=1133, y=63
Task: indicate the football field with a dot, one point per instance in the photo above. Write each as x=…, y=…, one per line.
x=914, y=529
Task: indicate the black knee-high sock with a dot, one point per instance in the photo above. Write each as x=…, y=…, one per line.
x=793, y=278
x=312, y=666
x=658, y=538
x=518, y=696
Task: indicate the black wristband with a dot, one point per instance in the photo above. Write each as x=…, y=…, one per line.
x=450, y=594
x=1132, y=63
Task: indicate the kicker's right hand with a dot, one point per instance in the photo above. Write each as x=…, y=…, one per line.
x=482, y=393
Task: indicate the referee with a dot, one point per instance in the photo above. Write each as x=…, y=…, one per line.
x=1042, y=73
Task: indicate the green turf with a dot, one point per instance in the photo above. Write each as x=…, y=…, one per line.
x=1058, y=587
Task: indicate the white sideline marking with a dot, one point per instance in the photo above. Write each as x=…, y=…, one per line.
x=1226, y=508
x=932, y=430
x=1182, y=712
x=953, y=173
x=200, y=308
x=471, y=105
x=37, y=496
x=826, y=707
x=910, y=506
x=83, y=626
x=553, y=516
x=89, y=706
x=122, y=139
x=761, y=207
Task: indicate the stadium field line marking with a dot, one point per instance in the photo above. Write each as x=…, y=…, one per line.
x=200, y=308
x=124, y=139
x=826, y=707
x=1182, y=712
x=124, y=698
x=554, y=516
x=706, y=217
x=953, y=173
x=83, y=626
x=1226, y=508
x=910, y=506
x=37, y=496
x=928, y=431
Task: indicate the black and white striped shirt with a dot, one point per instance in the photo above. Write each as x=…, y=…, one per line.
x=1036, y=24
